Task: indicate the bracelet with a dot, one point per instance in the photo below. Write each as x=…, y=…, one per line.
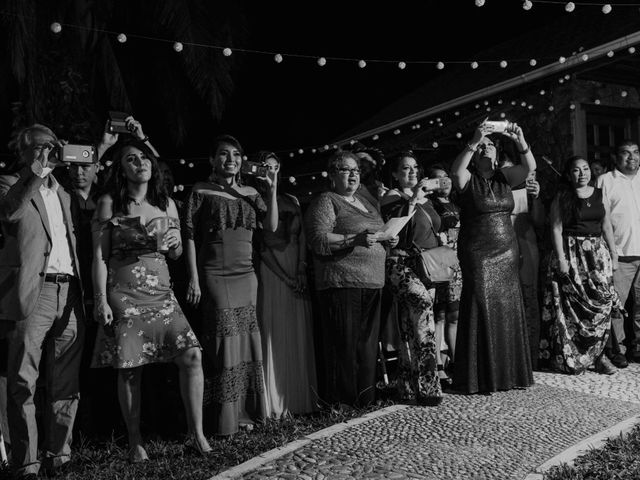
x=145, y=139
x=472, y=149
x=98, y=295
x=525, y=151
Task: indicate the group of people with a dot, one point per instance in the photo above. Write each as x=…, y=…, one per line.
x=95, y=269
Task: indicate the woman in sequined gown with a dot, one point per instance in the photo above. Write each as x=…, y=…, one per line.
x=220, y=219
x=492, y=349
x=135, y=226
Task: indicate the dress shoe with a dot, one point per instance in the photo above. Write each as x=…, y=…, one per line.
x=138, y=454
x=619, y=360
x=604, y=366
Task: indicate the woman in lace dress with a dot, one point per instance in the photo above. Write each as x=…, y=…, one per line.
x=135, y=226
x=220, y=219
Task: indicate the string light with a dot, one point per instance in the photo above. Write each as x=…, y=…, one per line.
x=503, y=64
x=570, y=7
x=606, y=8
x=227, y=52
x=362, y=63
x=474, y=65
x=278, y=58
x=402, y=65
x=122, y=38
x=322, y=61
x=527, y=5
x=533, y=62
x=56, y=27
x=479, y=3
x=439, y=65
x=177, y=46
x=623, y=93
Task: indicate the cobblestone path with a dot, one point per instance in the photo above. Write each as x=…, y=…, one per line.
x=500, y=436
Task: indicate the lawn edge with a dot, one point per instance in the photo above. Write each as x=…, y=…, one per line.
x=259, y=460
x=596, y=441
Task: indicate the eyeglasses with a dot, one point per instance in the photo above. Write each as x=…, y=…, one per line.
x=349, y=171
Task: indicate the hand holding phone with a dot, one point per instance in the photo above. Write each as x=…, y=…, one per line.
x=117, y=123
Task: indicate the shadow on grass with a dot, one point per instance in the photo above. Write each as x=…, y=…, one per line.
x=107, y=459
x=618, y=459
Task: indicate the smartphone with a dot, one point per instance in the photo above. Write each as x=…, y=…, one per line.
x=73, y=153
x=433, y=184
x=499, y=126
x=116, y=122
x=254, y=168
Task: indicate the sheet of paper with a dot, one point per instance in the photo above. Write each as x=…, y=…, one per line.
x=393, y=226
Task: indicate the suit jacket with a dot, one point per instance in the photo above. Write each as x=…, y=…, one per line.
x=24, y=256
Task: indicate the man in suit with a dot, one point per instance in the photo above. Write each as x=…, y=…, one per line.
x=40, y=303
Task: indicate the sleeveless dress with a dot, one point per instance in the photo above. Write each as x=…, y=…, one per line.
x=492, y=348
x=148, y=325
x=577, y=308
x=223, y=229
x=286, y=322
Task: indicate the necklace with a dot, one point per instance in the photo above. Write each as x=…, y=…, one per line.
x=136, y=201
x=349, y=199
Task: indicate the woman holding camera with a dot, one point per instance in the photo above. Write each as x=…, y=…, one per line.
x=341, y=227
x=492, y=351
x=135, y=226
x=418, y=379
x=220, y=219
x=579, y=296
x=284, y=312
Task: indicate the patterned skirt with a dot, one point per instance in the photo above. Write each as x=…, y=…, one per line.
x=577, y=308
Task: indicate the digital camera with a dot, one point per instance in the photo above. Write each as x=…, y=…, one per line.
x=72, y=153
x=254, y=168
x=116, y=122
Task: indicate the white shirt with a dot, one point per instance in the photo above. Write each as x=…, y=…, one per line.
x=622, y=194
x=60, y=258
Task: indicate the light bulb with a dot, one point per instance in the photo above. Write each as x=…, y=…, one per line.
x=227, y=52
x=122, y=37
x=322, y=61
x=570, y=7
x=402, y=65
x=56, y=27
x=278, y=58
x=606, y=8
x=178, y=46
x=362, y=63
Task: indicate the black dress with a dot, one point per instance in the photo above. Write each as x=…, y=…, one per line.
x=492, y=349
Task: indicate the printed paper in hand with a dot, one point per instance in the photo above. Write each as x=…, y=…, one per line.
x=392, y=227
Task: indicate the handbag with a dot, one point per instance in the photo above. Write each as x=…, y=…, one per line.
x=438, y=264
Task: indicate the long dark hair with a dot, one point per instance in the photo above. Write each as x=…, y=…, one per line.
x=116, y=184
x=213, y=149
x=568, y=201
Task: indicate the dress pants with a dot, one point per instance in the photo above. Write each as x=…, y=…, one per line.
x=55, y=328
x=626, y=279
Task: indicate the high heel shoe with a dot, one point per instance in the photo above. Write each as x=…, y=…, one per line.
x=192, y=446
x=445, y=380
x=138, y=454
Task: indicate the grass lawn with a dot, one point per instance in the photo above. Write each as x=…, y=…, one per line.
x=107, y=459
x=619, y=459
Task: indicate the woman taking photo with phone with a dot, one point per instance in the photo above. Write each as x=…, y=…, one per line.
x=418, y=379
x=492, y=351
x=220, y=219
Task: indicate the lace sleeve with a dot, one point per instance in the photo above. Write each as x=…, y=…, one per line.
x=191, y=214
x=319, y=220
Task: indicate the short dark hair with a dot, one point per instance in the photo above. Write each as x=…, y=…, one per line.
x=339, y=156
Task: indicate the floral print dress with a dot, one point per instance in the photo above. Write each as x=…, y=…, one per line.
x=148, y=324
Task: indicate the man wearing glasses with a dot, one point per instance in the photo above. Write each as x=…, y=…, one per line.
x=41, y=307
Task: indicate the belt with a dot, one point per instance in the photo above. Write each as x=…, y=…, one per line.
x=58, y=277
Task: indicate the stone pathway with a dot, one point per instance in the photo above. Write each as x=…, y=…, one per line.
x=501, y=436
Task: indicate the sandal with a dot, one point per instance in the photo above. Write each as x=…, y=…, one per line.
x=445, y=380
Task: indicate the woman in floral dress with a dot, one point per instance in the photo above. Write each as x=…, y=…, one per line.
x=135, y=226
x=579, y=296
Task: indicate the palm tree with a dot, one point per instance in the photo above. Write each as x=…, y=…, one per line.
x=71, y=79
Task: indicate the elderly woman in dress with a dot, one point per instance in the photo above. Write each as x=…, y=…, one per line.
x=341, y=227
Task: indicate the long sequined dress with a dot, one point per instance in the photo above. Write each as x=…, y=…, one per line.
x=223, y=228
x=286, y=323
x=492, y=349
x=148, y=324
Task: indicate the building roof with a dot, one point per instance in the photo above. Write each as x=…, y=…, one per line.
x=570, y=35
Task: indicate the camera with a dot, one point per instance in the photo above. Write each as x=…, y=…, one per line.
x=116, y=122
x=72, y=153
x=433, y=184
x=254, y=168
x=499, y=126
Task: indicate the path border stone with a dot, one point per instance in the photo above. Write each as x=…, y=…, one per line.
x=275, y=453
x=596, y=441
